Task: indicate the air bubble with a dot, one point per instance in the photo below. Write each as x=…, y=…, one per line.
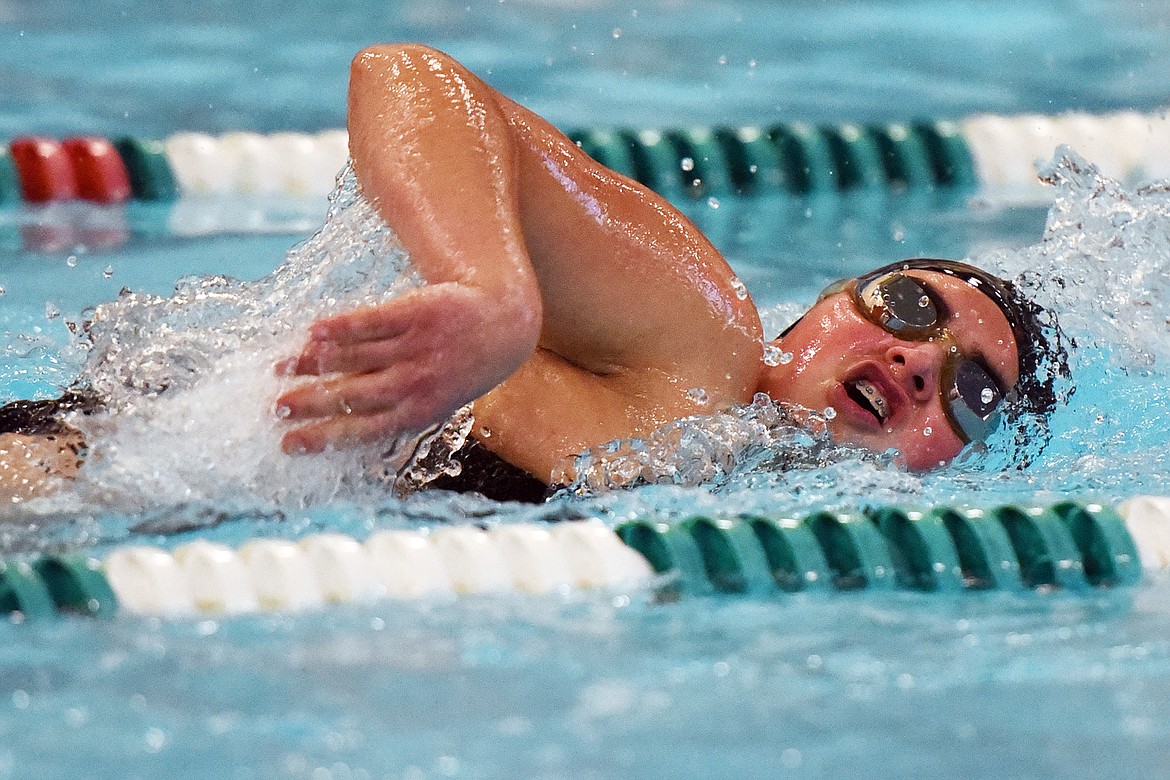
x=772, y=355
x=71, y=261
x=739, y=288
x=617, y=33
x=51, y=311
x=987, y=395
x=829, y=413
x=108, y=271
x=699, y=396
x=924, y=301
x=927, y=431
x=687, y=163
x=785, y=358
x=713, y=202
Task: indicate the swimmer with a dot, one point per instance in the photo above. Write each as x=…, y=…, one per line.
x=572, y=306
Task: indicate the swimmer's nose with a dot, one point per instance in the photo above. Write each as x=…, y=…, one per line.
x=917, y=367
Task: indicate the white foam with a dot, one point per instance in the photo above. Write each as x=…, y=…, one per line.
x=189, y=380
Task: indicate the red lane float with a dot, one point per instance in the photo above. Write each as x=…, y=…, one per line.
x=44, y=168
x=98, y=168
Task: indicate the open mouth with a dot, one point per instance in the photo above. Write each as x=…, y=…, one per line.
x=869, y=398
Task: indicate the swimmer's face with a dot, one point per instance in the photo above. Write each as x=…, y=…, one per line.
x=885, y=389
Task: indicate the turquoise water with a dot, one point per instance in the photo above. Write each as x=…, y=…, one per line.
x=602, y=685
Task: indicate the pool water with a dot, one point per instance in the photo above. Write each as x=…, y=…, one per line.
x=608, y=684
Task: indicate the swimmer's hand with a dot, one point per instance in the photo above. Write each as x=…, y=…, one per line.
x=405, y=365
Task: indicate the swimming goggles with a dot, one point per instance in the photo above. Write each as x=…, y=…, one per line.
x=905, y=307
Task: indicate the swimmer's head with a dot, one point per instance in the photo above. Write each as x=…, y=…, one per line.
x=925, y=356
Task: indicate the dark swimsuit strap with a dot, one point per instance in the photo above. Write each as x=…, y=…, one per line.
x=488, y=474
x=40, y=418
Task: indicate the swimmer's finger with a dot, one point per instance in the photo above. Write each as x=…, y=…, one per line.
x=378, y=322
x=329, y=357
x=338, y=432
x=348, y=395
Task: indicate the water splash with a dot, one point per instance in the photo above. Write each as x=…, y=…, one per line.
x=188, y=381
x=1103, y=265
x=716, y=451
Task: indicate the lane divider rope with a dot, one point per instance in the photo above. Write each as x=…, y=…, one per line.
x=1075, y=547
x=991, y=153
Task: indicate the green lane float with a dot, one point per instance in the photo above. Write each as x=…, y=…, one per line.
x=922, y=550
x=793, y=553
x=1107, y=550
x=1069, y=546
x=151, y=177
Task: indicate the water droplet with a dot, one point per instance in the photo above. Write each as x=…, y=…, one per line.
x=927, y=431
x=687, y=163
x=71, y=261
x=829, y=413
x=699, y=396
x=51, y=311
x=987, y=395
x=485, y=433
x=155, y=738
x=785, y=358
x=772, y=355
x=108, y=272
x=713, y=202
x=739, y=288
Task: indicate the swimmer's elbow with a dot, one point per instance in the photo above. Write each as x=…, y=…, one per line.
x=385, y=58
x=521, y=305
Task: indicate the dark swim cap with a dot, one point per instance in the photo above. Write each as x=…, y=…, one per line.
x=1043, y=359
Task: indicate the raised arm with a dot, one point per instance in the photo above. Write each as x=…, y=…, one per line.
x=434, y=153
x=573, y=304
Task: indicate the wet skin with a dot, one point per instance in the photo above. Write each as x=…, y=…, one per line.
x=571, y=304
x=834, y=344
